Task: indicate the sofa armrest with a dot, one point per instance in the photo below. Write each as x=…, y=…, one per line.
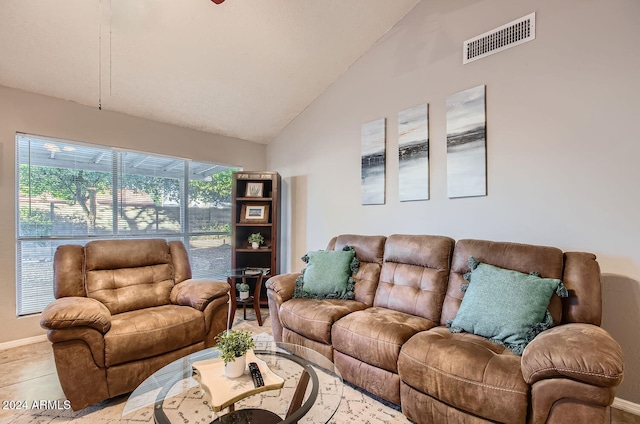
x=582, y=352
x=198, y=292
x=283, y=285
x=72, y=312
x=280, y=288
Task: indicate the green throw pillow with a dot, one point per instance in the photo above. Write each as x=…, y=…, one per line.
x=328, y=275
x=506, y=306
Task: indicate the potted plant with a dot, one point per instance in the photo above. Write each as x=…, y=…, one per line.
x=234, y=344
x=243, y=289
x=256, y=239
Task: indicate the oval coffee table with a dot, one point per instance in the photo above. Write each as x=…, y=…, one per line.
x=311, y=393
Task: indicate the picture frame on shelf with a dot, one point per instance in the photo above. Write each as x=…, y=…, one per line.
x=254, y=214
x=254, y=189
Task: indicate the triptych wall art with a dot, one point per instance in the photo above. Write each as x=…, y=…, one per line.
x=466, y=144
x=413, y=153
x=466, y=151
x=373, y=162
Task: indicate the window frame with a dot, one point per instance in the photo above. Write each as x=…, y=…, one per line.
x=184, y=234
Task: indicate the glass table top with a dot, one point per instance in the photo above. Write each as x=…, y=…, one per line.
x=176, y=391
x=245, y=272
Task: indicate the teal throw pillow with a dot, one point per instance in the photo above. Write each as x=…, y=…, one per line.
x=505, y=306
x=328, y=275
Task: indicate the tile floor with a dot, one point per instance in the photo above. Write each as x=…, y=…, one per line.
x=28, y=373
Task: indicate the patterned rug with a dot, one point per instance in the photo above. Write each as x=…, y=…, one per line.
x=355, y=407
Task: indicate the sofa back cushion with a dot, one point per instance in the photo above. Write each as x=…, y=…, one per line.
x=370, y=252
x=180, y=261
x=68, y=271
x=581, y=277
x=547, y=261
x=414, y=274
x=127, y=275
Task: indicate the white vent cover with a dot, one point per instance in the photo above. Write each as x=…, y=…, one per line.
x=508, y=35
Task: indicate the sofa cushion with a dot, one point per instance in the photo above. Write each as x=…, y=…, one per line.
x=153, y=331
x=375, y=335
x=327, y=275
x=467, y=372
x=506, y=306
x=548, y=261
x=369, y=251
x=313, y=318
x=414, y=274
x=127, y=275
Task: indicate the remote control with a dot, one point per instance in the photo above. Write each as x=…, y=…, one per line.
x=256, y=375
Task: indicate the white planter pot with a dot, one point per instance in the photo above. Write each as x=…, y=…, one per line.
x=236, y=368
x=244, y=295
x=255, y=245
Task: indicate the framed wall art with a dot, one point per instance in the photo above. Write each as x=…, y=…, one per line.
x=254, y=189
x=466, y=144
x=254, y=214
x=373, y=162
x=413, y=154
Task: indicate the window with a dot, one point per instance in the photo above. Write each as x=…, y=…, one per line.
x=71, y=193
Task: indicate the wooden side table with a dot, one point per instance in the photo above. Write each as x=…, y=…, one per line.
x=244, y=274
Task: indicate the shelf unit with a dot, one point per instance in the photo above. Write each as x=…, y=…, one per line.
x=247, y=206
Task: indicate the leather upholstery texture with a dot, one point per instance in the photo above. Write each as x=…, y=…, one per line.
x=375, y=335
x=414, y=275
x=313, y=318
x=396, y=344
x=468, y=372
x=595, y=357
x=547, y=261
x=124, y=309
x=125, y=276
x=370, y=253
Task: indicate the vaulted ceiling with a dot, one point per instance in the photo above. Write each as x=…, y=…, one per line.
x=243, y=68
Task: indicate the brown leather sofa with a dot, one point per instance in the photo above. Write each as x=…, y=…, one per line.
x=392, y=340
x=124, y=309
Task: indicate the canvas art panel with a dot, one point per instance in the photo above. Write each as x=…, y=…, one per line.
x=466, y=144
x=413, y=153
x=373, y=162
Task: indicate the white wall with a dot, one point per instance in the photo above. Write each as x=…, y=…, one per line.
x=41, y=115
x=562, y=140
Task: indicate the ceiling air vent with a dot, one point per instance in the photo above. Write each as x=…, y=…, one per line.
x=508, y=35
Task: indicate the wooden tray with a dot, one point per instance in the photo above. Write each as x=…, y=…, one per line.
x=226, y=391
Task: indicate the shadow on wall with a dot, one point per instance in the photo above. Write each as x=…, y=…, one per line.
x=621, y=318
x=294, y=224
x=1, y=162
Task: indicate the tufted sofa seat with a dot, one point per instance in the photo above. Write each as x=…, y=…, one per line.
x=123, y=310
x=395, y=343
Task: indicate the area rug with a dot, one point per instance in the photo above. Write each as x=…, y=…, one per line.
x=356, y=407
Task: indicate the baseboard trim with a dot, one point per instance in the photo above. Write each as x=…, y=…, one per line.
x=23, y=342
x=626, y=406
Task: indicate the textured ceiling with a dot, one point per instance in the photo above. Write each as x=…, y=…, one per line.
x=244, y=68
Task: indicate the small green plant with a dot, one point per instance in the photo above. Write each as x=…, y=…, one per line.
x=242, y=287
x=234, y=343
x=256, y=238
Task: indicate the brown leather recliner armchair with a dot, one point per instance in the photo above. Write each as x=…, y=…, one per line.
x=124, y=309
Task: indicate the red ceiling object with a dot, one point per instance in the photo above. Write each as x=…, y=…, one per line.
x=217, y=1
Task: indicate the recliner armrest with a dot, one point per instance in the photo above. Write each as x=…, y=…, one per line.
x=582, y=352
x=284, y=285
x=71, y=312
x=198, y=292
